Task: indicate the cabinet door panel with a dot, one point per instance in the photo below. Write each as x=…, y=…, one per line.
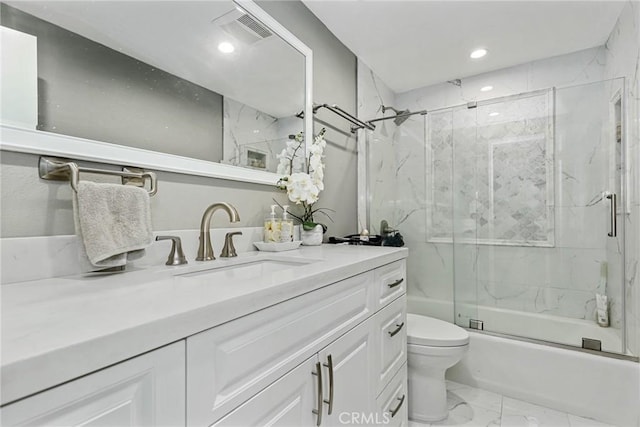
x=145, y=391
x=391, y=346
x=353, y=383
x=230, y=363
x=287, y=402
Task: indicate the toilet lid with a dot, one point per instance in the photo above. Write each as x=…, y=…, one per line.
x=423, y=330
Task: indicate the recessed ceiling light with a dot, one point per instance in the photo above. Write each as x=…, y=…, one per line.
x=486, y=88
x=478, y=53
x=495, y=113
x=226, y=47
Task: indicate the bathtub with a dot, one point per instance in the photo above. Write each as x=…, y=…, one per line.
x=584, y=384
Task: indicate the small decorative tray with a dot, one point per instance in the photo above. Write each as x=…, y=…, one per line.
x=277, y=247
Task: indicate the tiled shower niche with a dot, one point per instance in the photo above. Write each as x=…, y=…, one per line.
x=502, y=154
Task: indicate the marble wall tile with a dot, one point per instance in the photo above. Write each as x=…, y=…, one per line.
x=561, y=279
x=253, y=138
x=582, y=227
x=582, y=145
x=565, y=268
x=623, y=60
x=542, y=300
x=378, y=177
x=430, y=269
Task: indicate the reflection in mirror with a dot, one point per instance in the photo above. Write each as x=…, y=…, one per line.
x=203, y=80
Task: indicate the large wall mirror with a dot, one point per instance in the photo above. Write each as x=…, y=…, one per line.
x=210, y=88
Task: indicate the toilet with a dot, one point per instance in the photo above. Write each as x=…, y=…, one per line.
x=433, y=346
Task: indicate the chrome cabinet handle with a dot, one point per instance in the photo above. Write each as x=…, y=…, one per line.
x=330, y=401
x=614, y=220
x=399, y=327
x=318, y=411
x=396, y=283
x=395, y=411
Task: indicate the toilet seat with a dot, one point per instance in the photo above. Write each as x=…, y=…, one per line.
x=427, y=331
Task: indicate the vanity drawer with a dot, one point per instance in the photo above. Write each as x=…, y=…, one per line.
x=391, y=282
x=230, y=363
x=391, y=333
x=393, y=402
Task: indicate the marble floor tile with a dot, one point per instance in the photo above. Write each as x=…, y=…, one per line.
x=516, y=413
x=470, y=406
x=466, y=414
x=475, y=396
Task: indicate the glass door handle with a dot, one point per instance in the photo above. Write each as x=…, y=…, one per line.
x=613, y=219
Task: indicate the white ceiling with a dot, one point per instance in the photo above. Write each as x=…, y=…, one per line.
x=411, y=44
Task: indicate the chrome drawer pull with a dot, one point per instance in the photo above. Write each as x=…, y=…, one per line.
x=396, y=283
x=330, y=401
x=395, y=411
x=318, y=411
x=399, y=327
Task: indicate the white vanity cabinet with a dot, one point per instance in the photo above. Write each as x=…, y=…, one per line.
x=147, y=390
x=358, y=342
x=332, y=356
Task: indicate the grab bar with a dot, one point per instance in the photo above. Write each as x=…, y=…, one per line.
x=56, y=169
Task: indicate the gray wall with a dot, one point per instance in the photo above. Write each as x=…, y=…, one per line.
x=334, y=82
x=31, y=207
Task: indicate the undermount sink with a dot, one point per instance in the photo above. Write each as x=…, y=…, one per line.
x=248, y=269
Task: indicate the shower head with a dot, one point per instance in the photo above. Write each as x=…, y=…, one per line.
x=398, y=120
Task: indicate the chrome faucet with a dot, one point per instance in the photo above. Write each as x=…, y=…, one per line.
x=205, y=250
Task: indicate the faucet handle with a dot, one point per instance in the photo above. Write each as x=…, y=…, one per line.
x=176, y=256
x=229, y=250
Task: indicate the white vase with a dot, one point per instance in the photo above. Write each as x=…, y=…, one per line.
x=312, y=237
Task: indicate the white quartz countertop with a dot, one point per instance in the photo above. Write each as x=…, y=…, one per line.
x=54, y=330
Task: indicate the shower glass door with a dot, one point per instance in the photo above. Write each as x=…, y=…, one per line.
x=537, y=213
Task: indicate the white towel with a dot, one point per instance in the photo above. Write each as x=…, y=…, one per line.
x=113, y=223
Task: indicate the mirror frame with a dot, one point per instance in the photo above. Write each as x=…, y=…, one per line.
x=46, y=143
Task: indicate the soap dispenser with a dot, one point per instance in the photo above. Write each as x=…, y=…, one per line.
x=286, y=226
x=272, y=227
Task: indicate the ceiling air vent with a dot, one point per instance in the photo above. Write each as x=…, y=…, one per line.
x=243, y=27
x=254, y=26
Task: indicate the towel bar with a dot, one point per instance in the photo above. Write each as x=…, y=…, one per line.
x=57, y=169
x=356, y=123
